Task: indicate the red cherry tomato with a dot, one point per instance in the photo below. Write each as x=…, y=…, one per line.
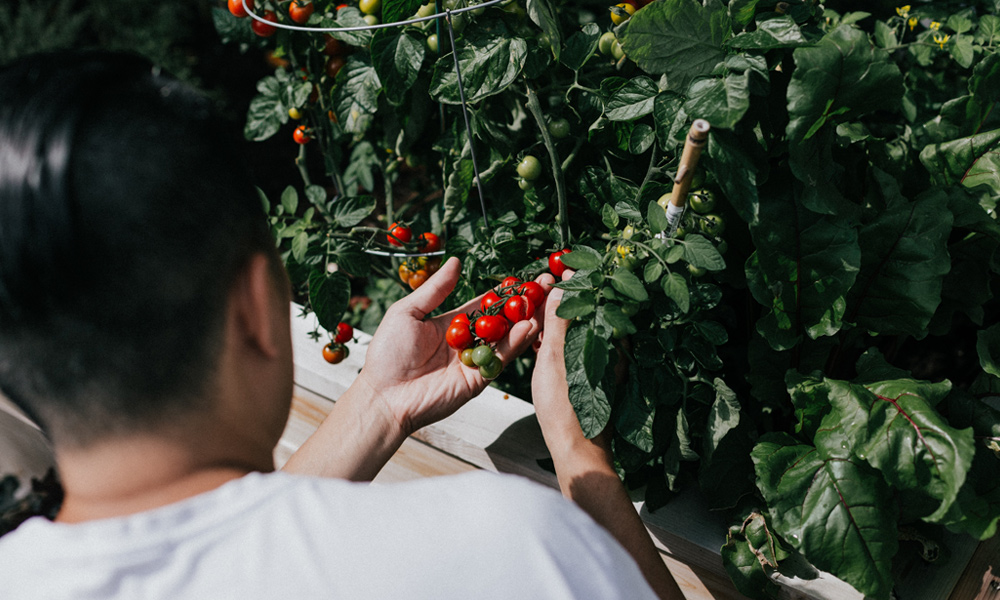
x=491, y=328
x=301, y=135
x=533, y=291
x=518, y=308
x=264, y=29
x=300, y=11
x=418, y=278
x=508, y=284
x=461, y=319
x=334, y=65
x=236, y=7
x=430, y=242
x=555, y=262
x=335, y=353
x=489, y=299
x=401, y=234
x=458, y=335
x=344, y=334
x=332, y=46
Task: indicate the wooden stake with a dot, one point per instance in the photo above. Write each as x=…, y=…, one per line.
x=696, y=139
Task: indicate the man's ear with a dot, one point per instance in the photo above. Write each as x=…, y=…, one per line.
x=253, y=299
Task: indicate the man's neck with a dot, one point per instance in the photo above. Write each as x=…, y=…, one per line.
x=128, y=476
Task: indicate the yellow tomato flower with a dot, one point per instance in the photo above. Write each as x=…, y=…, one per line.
x=935, y=25
x=903, y=11
x=941, y=40
x=912, y=22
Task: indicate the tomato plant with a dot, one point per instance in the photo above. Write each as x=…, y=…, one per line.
x=826, y=310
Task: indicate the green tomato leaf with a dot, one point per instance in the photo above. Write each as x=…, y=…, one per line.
x=609, y=217
x=988, y=347
x=613, y=315
x=581, y=46
x=804, y=266
x=904, y=258
x=731, y=159
x=656, y=216
x=300, y=245
x=633, y=100
x=290, y=200
x=591, y=404
x=576, y=304
x=583, y=257
x=628, y=284
x=595, y=357
x=843, y=74
x=680, y=38
x=742, y=11
x=397, y=55
x=350, y=17
x=329, y=294
x=721, y=102
x=676, y=288
x=348, y=212
x=266, y=113
x=701, y=253
x=835, y=511
x=780, y=32
x=670, y=119
x=399, y=10
x=490, y=60
x=634, y=420
x=355, y=97
x=544, y=14
x=641, y=139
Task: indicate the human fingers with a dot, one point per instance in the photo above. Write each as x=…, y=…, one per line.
x=433, y=292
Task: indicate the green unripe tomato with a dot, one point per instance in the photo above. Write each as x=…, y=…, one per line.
x=628, y=232
x=712, y=225
x=630, y=308
x=466, y=358
x=544, y=41
x=425, y=10
x=458, y=22
x=370, y=7
x=604, y=44
x=664, y=200
x=702, y=201
x=680, y=233
x=524, y=184
x=617, y=333
x=722, y=246
x=617, y=52
x=491, y=370
x=559, y=128
x=372, y=20
x=696, y=271
x=482, y=355
x=294, y=113
x=529, y=168
x=432, y=43
x=515, y=9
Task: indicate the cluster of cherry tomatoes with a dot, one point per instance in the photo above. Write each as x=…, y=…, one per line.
x=336, y=351
x=415, y=271
x=299, y=12
x=472, y=335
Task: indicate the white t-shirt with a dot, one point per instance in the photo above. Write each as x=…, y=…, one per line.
x=470, y=536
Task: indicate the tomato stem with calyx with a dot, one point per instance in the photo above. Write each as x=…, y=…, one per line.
x=300, y=162
x=535, y=108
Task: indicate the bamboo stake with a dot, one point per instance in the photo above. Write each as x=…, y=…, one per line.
x=695, y=143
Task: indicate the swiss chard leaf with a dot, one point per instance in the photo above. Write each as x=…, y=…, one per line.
x=835, y=511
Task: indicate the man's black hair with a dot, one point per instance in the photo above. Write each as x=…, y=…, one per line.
x=125, y=215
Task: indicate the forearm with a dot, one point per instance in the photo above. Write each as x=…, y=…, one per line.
x=586, y=476
x=354, y=442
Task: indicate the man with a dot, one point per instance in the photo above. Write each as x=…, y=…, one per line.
x=144, y=325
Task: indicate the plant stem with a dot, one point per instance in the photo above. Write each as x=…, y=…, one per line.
x=300, y=162
x=535, y=107
x=650, y=171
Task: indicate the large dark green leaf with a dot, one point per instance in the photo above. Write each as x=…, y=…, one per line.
x=680, y=38
x=804, y=265
x=490, y=61
x=903, y=263
x=721, y=101
x=397, y=55
x=581, y=46
x=350, y=17
x=835, y=511
x=988, y=348
x=633, y=100
x=731, y=159
x=701, y=253
x=399, y=10
x=355, y=98
x=842, y=74
x=780, y=32
x=350, y=211
x=634, y=420
x=329, y=294
x=969, y=161
x=589, y=401
x=628, y=284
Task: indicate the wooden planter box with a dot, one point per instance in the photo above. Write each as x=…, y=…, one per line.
x=499, y=432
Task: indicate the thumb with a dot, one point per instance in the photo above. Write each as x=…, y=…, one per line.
x=555, y=326
x=433, y=292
